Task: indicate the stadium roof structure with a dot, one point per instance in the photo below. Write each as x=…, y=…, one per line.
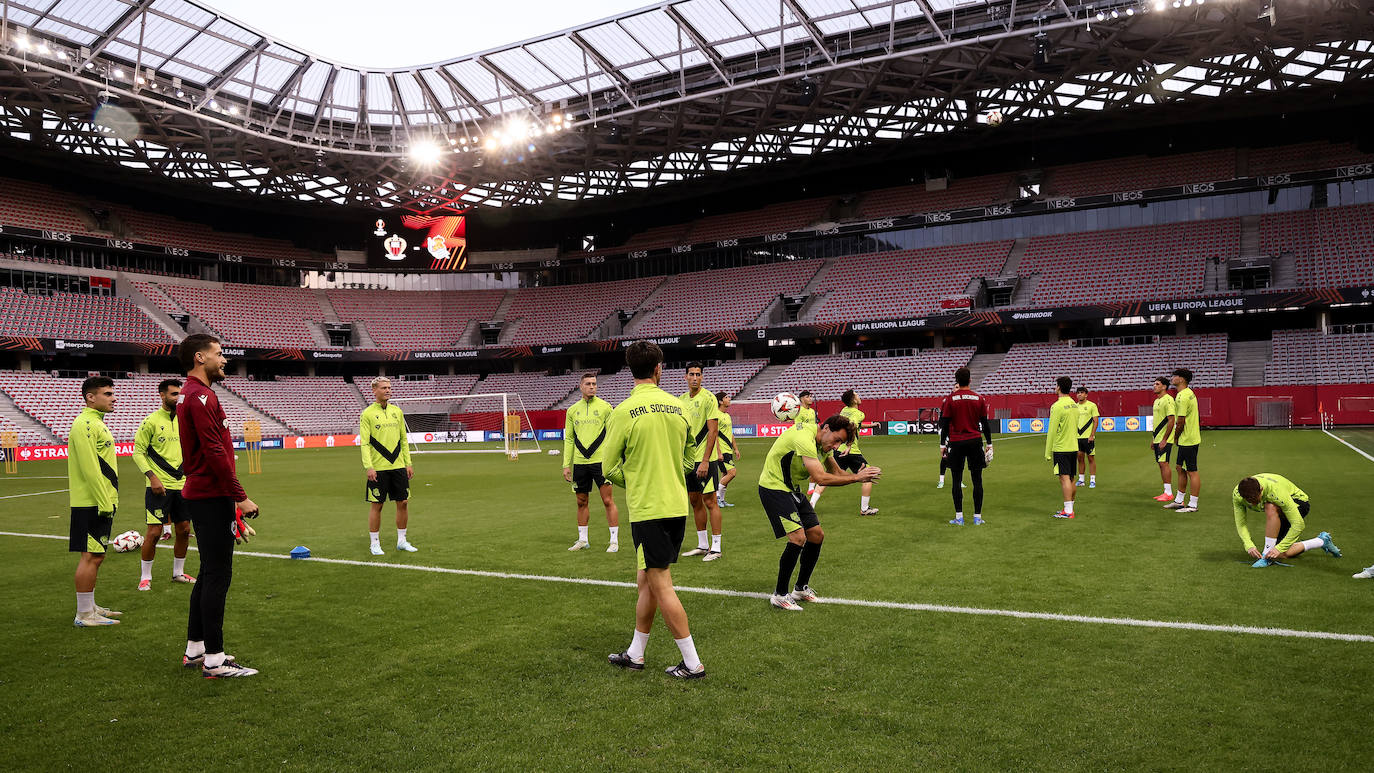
x=677, y=91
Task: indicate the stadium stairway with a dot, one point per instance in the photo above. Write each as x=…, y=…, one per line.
x=814, y=300
x=30, y=430
x=270, y=426
x=981, y=365
x=757, y=387
x=1249, y=235
x=126, y=288
x=1249, y=360
x=330, y=315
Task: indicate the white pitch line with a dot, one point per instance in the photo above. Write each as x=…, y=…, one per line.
x=1019, y=436
x=35, y=477
x=913, y=607
x=35, y=493
x=1347, y=445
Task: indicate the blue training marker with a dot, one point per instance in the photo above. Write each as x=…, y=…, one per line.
x=300, y=551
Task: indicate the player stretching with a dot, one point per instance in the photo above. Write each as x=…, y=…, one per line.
x=212, y=492
x=850, y=458
x=963, y=418
x=648, y=446
x=729, y=450
x=94, y=494
x=1061, y=443
x=157, y=454
x=1285, y=508
x=584, y=430
x=1187, y=437
x=1163, y=434
x=803, y=452
x=703, y=418
x=1088, y=416
x=386, y=457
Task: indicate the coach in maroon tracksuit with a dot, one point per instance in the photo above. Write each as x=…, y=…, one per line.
x=963, y=417
x=211, y=492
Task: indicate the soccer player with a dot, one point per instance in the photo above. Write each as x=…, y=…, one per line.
x=963, y=418
x=584, y=430
x=806, y=414
x=1163, y=436
x=803, y=452
x=93, y=486
x=157, y=454
x=648, y=446
x=728, y=449
x=1285, y=508
x=214, y=500
x=386, y=458
x=1061, y=443
x=1088, y=416
x=850, y=458
x=1187, y=437
x=703, y=418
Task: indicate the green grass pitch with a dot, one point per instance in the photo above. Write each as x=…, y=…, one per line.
x=368, y=667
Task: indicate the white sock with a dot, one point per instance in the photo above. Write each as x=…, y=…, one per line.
x=146, y=570
x=213, y=660
x=637, y=645
x=85, y=602
x=1181, y=496
x=811, y=489
x=376, y=538
x=400, y=536
x=815, y=497
x=1192, y=501
x=958, y=516
x=942, y=479
x=715, y=543
x=178, y=566
x=702, y=537
x=194, y=648
x=582, y=533
x=1092, y=478
x=977, y=516
x=166, y=528
x=1068, y=508
x=1080, y=478
x=1270, y=542
x=1168, y=489
x=720, y=491
x=689, y=653
x=863, y=503
x=1313, y=544
x=615, y=534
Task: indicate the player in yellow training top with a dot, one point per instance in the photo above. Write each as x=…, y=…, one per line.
x=386, y=457
x=1187, y=439
x=1061, y=442
x=1088, y=416
x=1163, y=436
x=157, y=454
x=93, y=483
x=1286, y=508
x=584, y=432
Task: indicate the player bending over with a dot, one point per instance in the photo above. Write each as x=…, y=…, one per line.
x=648, y=447
x=386, y=458
x=803, y=452
x=583, y=434
x=157, y=454
x=1088, y=416
x=1285, y=508
x=729, y=451
x=1061, y=442
x=963, y=418
x=849, y=457
x=1163, y=433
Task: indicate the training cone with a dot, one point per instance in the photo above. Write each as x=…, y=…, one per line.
x=300, y=551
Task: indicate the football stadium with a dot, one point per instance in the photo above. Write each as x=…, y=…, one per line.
x=491, y=410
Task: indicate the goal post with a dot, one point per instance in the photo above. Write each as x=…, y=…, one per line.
x=491, y=422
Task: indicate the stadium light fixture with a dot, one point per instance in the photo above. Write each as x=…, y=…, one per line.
x=118, y=73
x=425, y=152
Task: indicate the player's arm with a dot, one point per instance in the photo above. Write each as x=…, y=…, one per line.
x=405, y=447
x=1180, y=421
x=822, y=477
x=568, y=445
x=987, y=425
x=365, y=444
x=142, y=441
x=82, y=449
x=1238, y=510
x=1056, y=418
x=1097, y=419
x=709, y=447
x=617, y=433
x=1295, y=524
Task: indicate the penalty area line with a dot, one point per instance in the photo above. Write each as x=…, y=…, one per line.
x=911, y=607
x=1347, y=445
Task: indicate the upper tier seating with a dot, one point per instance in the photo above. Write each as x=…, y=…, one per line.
x=914, y=199
x=1031, y=368
x=1332, y=247
x=1305, y=157
x=774, y=218
x=728, y=377
x=827, y=376
x=906, y=282
x=76, y=315
x=255, y=315
x=306, y=404
x=398, y=319
x=1311, y=357
x=31, y=205
x=1141, y=173
x=559, y=314
x=725, y=299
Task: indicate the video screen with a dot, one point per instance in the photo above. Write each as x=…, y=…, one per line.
x=405, y=242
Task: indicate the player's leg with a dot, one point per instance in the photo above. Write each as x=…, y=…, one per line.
x=955, y=464
x=1165, y=474
x=181, y=531
x=374, y=522
x=975, y=472
x=645, y=608
x=403, y=523
x=713, y=512
x=612, y=516
x=810, y=554
x=1092, y=464
x=783, y=510
x=816, y=492
x=88, y=536
x=856, y=463
x=675, y=617
x=213, y=519
x=699, y=519
x=787, y=564
x=155, y=516
x=1082, y=463
x=944, y=466
x=1181, y=490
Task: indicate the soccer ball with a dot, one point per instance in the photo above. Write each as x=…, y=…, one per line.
x=126, y=542
x=785, y=406
x=995, y=118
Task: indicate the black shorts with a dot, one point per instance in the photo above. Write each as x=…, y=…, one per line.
x=707, y=485
x=1065, y=462
x=965, y=452
x=90, y=531
x=851, y=463
x=1187, y=458
x=787, y=511
x=1161, y=455
x=390, y=484
x=1304, y=507
x=727, y=462
x=1086, y=446
x=657, y=542
x=164, y=509
x=585, y=476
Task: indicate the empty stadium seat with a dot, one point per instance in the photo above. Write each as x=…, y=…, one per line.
x=904, y=283
x=1314, y=357
x=76, y=315
x=827, y=376
x=1032, y=368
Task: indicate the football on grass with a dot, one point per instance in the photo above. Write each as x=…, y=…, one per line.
x=785, y=406
x=129, y=540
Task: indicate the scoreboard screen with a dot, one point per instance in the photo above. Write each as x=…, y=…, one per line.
x=407, y=242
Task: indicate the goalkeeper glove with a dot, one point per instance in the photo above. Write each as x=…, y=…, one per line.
x=987, y=456
x=240, y=529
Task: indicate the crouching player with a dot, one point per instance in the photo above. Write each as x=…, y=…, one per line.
x=1285, y=508
x=803, y=452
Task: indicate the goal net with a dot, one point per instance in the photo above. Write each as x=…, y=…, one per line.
x=495, y=422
